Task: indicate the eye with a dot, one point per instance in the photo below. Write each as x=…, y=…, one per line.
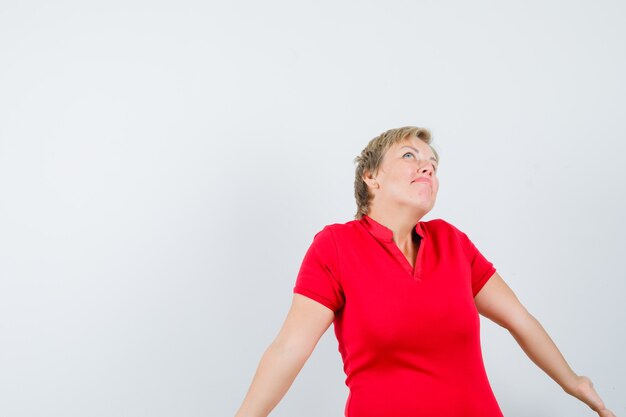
x=408, y=153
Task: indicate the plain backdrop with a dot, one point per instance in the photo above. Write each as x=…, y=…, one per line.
x=164, y=166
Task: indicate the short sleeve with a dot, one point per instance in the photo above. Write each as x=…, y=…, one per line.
x=318, y=277
x=481, y=268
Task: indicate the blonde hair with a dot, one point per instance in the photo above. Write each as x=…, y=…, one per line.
x=372, y=155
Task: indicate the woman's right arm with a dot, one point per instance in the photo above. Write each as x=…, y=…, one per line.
x=304, y=325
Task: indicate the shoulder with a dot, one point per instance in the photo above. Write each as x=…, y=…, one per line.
x=339, y=229
x=340, y=235
x=334, y=231
x=446, y=233
x=440, y=226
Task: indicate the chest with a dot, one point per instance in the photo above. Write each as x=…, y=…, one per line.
x=390, y=305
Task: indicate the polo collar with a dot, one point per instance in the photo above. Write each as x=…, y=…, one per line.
x=382, y=232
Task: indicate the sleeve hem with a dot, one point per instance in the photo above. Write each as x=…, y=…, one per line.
x=315, y=297
x=483, y=280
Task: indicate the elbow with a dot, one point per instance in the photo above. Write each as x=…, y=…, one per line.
x=291, y=350
x=519, y=323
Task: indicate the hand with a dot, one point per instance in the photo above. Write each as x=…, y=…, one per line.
x=582, y=389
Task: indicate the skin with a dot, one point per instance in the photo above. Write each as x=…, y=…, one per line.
x=401, y=198
x=399, y=203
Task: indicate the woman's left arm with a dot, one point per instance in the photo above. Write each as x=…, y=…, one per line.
x=497, y=302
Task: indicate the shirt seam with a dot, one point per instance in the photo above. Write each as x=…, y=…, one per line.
x=332, y=235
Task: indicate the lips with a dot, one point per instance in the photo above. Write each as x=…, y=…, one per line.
x=424, y=180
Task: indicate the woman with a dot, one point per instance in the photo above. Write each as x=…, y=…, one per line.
x=404, y=296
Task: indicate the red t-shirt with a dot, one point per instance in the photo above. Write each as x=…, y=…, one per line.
x=409, y=337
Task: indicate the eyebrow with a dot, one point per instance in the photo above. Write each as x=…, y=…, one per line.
x=432, y=158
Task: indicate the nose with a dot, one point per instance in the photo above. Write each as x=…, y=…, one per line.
x=425, y=167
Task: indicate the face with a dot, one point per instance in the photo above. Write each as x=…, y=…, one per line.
x=407, y=176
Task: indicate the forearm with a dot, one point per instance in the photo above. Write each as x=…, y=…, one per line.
x=497, y=302
x=277, y=370
x=540, y=348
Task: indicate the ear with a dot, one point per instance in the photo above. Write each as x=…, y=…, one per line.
x=370, y=180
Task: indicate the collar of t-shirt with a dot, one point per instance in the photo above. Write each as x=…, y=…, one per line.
x=385, y=236
x=384, y=233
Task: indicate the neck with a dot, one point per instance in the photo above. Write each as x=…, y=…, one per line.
x=400, y=222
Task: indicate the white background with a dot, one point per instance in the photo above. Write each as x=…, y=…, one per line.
x=165, y=165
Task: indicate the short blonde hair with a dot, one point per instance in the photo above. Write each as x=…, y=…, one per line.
x=372, y=155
